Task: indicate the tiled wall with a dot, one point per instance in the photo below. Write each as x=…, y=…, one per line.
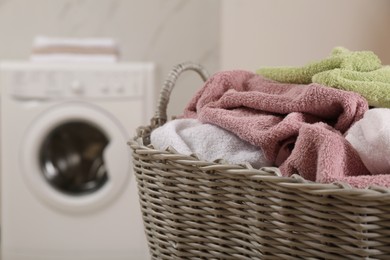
x=164, y=31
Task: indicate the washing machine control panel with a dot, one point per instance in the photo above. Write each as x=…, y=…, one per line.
x=93, y=81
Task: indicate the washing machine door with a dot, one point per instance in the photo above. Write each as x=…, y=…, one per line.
x=75, y=157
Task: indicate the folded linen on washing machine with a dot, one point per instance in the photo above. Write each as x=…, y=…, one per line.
x=74, y=49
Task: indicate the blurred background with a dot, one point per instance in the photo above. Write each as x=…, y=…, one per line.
x=166, y=32
x=229, y=34
x=219, y=35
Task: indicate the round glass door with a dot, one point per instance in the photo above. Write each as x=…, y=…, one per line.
x=71, y=158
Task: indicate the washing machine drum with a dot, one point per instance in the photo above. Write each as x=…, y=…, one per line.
x=71, y=158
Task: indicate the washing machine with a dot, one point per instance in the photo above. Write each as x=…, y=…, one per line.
x=68, y=191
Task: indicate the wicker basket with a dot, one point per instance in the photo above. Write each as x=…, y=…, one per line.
x=213, y=210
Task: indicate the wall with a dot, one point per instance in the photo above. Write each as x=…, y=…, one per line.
x=292, y=33
x=167, y=32
x=217, y=34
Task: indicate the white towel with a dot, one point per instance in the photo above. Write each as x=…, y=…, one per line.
x=370, y=137
x=207, y=141
x=74, y=49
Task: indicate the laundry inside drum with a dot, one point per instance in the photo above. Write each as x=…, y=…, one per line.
x=71, y=158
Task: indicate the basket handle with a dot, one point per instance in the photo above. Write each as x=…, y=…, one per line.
x=160, y=116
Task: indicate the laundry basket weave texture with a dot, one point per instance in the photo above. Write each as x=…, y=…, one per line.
x=195, y=209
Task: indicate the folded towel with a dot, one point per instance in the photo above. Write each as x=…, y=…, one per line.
x=208, y=142
x=370, y=137
x=323, y=155
x=340, y=58
x=74, y=49
x=41, y=41
x=373, y=85
x=269, y=114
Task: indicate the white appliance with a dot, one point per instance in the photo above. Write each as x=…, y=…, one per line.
x=68, y=191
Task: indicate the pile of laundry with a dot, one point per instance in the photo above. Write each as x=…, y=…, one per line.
x=328, y=121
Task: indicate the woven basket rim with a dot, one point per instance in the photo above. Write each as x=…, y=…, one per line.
x=266, y=174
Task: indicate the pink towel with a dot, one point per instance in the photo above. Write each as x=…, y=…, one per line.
x=270, y=115
x=322, y=154
x=267, y=113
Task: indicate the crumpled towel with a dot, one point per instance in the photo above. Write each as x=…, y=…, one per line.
x=340, y=58
x=208, y=142
x=373, y=85
x=323, y=155
x=274, y=115
x=269, y=114
x=370, y=137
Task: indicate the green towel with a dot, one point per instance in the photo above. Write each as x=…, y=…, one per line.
x=373, y=85
x=340, y=58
